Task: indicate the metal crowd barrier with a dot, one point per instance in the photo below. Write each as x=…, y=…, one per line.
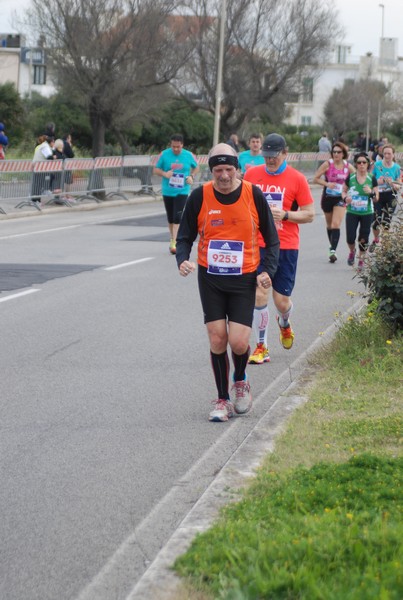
x=15, y=179
x=75, y=180
x=138, y=168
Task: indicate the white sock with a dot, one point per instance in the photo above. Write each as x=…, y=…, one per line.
x=283, y=317
x=260, y=323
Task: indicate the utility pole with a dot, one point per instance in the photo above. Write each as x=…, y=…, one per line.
x=378, y=131
x=220, y=65
x=368, y=120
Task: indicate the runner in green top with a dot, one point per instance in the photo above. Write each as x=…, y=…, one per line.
x=359, y=191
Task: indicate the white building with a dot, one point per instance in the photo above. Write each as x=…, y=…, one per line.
x=308, y=107
x=23, y=66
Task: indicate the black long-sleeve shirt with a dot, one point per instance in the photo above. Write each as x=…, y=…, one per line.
x=188, y=229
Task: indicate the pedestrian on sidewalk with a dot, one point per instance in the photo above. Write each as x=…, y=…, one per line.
x=227, y=214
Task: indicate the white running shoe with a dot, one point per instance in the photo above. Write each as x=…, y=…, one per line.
x=243, y=397
x=222, y=411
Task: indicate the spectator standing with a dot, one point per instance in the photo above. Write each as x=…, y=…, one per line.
x=253, y=156
x=324, y=144
x=3, y=141
x=360, y=142
x=68, y=153
x=177, y=167
x=68, y=146
x=233, y=141
x=56, y=178
x=289, y=197
x=43, y=151
x=359, y=191
x=50, y=131
x=227, y=214
x=331, y=175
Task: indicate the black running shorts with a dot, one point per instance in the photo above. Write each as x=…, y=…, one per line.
x=328, y=203
x=229, y=297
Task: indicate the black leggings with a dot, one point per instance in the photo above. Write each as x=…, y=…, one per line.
x=384, y=209
x=364, y=223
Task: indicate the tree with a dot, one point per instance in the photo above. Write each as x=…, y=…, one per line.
x=354, y=106
x=196, y=127
x=267, y=46
x=12, y=113
x=113, y=53
x=68, y=113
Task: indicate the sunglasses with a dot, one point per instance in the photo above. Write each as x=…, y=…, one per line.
x=337, y=152
x=361, y=162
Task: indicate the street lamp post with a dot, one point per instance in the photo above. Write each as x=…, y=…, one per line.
x=382, y=6
x=217, y=113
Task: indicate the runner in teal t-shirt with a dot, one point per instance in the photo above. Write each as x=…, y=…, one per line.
x=387, y=173
x=252, y=157
x=177, y=168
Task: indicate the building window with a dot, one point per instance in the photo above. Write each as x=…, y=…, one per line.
x=307, y=89
x=39, y=75
x=293, y=98
x=306, y=120
x=341, y=54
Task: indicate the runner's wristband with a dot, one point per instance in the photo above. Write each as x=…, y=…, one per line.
x=285, y=218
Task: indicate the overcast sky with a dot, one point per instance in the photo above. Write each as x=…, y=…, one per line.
x=362, y=20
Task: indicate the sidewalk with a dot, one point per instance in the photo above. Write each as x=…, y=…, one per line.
x=9, y=206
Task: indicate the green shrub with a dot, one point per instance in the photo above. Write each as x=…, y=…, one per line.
x=383, y=276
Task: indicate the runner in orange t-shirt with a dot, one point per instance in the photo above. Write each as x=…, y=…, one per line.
x=227, y=214
x=289, y=197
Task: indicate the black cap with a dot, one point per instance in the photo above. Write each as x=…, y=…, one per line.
x=273, y=144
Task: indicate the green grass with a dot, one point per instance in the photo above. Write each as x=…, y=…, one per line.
x=322, y=518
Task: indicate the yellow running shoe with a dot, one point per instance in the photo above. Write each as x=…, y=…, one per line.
x=286, y=336
x=260, y=355
x=172, y=247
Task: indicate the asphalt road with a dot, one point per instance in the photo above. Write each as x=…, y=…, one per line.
x=106, y=387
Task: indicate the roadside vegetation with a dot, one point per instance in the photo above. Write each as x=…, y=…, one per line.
x=322, y=519
x=26, y=118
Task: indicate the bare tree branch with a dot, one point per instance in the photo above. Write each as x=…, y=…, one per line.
x=267, y=45
x=113, y=52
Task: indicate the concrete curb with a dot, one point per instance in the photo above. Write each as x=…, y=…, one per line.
x=159, y=582
x=77, y=207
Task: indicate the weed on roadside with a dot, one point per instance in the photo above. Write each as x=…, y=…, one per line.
x=332, y=531
x=322, y=518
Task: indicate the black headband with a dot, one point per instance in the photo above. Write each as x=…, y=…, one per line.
x=222, y=159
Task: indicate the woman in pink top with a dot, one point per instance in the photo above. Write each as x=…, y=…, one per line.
x=331, y=175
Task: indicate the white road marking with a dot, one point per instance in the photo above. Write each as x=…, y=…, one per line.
x=98, y=222
x=18, y=235
x=13, y=296
x=128, y=264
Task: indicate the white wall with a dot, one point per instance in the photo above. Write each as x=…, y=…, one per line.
x=333, y=75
